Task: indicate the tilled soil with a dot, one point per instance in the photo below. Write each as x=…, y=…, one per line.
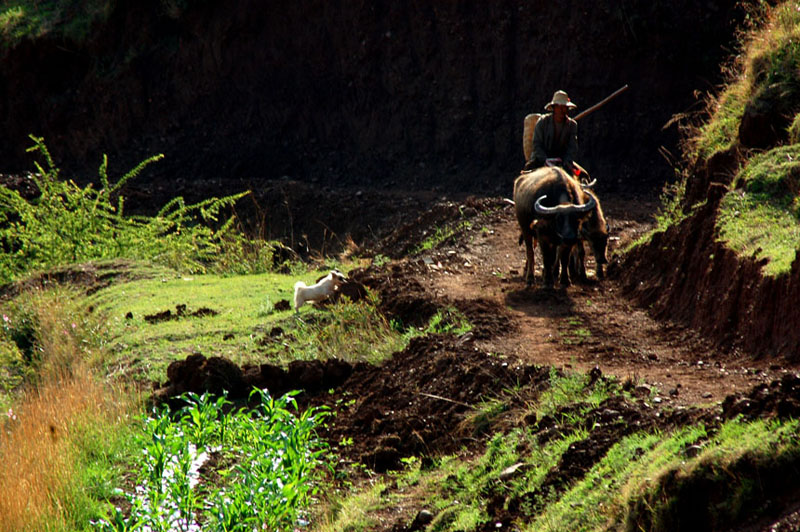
x=422, y=401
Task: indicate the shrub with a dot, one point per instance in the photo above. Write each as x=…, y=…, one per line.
x=66, y=224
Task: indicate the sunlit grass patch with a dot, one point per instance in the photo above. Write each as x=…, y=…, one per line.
x=243, y=325
x=755, y=227
x=731, y=477
x=243, y=309
x=768, y=62
x=760, y=218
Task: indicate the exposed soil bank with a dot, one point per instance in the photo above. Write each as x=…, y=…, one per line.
x=410, y=95
x=685, y=274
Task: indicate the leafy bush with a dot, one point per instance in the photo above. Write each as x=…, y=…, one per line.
x=67, y=224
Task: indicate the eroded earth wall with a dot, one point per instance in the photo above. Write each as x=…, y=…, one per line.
x=406, y=94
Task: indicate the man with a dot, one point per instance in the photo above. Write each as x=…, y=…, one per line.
x=555, y=135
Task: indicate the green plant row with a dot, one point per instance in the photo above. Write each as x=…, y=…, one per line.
x=274, y=462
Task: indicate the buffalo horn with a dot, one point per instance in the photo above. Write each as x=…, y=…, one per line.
x=564, y=209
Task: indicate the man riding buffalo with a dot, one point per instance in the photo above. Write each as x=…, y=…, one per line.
x=555, y=137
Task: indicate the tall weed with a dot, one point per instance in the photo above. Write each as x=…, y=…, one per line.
x=66, y=224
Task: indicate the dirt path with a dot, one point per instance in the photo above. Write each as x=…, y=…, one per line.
x=589, y=325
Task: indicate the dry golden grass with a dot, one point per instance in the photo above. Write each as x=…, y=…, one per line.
x=45, y=437
x=38, y=451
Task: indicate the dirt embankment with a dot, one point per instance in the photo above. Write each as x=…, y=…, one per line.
x=686, y=274
x=422, y=401
x=409, y=95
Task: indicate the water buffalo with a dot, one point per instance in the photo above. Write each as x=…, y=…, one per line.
x=550, y=207
x=594, y=230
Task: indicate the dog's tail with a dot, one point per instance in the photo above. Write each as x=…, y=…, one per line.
x=298, y=302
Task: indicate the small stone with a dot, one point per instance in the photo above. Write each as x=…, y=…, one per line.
x=693, y=450
x=423, y=518
x=510, y=471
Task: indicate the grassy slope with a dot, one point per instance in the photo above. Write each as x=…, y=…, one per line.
x=760, y=217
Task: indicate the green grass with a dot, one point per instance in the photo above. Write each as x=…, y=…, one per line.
x=765, y=69
x=240, y=329
x=440, y=235
x=354, y=512
x=761, y=218
x=759, y=229
x=242, y=304
x=739, y=469
x=448, y=321
x=722, y=130
x=573, y=388
x=30, y=19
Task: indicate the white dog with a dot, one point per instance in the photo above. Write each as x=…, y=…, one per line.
x=323, y=289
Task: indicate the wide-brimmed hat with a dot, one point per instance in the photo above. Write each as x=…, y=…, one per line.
x=560, y=98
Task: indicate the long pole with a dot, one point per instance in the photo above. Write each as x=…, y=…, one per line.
x=597, y=106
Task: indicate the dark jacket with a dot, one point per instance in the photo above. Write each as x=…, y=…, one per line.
x=547, y=146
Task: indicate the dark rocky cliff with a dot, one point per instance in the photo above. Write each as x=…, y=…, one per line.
x=414, y=94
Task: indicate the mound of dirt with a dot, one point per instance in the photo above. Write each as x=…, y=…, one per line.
x=89, y=277
x=416, y=403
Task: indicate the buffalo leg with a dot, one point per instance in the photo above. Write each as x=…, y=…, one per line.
x=549, y=256
x=528, y=258
x=577, y=263
x=563, y=257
